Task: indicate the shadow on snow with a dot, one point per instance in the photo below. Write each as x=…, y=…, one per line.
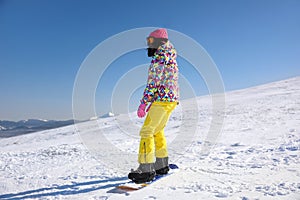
x=64, y=190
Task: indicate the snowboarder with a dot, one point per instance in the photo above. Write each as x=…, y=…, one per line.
x=159, y=99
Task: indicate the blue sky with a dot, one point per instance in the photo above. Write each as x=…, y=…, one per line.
x=44, y=42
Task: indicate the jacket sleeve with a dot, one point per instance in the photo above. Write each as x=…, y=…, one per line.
x=155, y=74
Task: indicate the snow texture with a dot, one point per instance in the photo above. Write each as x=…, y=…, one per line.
x=255, y=157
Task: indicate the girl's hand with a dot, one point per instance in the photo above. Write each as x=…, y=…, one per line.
x=141, y=111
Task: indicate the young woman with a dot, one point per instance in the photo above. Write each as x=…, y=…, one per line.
x=159, y=100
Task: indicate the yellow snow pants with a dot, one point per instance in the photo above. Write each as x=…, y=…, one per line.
x=153, y=142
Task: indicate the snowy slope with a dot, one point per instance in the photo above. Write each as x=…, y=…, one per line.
x=255, y=157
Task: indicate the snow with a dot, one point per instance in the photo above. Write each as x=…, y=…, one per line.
x=255, y=157
x=110, y=114
x=93, y=118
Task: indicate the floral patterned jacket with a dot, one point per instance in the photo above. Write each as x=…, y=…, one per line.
x=162, y=84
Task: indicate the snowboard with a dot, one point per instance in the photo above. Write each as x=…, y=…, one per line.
x=130, y=186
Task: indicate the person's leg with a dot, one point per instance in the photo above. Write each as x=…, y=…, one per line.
x=146, y=171
x=160, y=144
x=159, y=136
x=146, y=150
x=161, y=152
x=153, y=120
x=161, y=164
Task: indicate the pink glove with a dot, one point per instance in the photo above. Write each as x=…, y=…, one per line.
x=141, y=111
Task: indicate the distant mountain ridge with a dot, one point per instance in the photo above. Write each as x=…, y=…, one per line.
x=12, y=128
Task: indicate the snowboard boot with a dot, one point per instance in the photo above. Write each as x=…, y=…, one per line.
x=144, y=173
x=161, y=166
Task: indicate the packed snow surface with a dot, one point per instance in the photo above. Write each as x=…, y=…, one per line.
x=256, y=156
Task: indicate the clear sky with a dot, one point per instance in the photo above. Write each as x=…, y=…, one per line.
x=44, y=42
